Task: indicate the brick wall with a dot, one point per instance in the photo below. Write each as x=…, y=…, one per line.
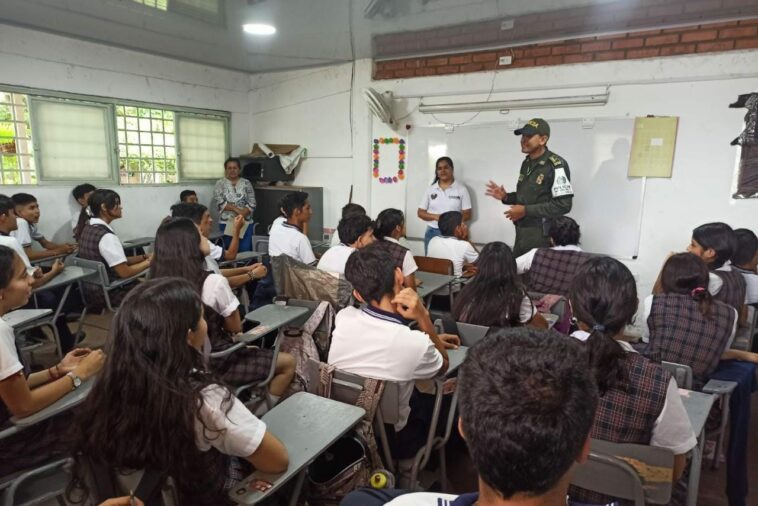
x=703, y=38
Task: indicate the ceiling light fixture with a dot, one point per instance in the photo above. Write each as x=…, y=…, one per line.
x=530, y=103
x=259, y=29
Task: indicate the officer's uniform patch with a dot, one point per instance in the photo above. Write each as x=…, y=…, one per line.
x=561, y=184
x=540, y=178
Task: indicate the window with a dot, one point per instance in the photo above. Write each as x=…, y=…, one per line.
x=203, y=146
x=158, y=4
x=16, y=151
x=209, y=11
x=146, y=145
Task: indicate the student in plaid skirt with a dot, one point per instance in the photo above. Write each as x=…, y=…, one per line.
x=639, y=401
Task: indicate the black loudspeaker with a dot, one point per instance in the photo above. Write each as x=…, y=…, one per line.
x=264, y=169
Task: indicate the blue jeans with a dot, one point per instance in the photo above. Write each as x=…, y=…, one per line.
x=246, y=241
x=431, y=232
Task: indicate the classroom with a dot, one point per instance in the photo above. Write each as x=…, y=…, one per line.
x=367, y=252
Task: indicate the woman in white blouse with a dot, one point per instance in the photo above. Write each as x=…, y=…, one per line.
x=234, y=195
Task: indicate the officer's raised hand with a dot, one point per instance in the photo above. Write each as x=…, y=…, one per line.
x=496, y=191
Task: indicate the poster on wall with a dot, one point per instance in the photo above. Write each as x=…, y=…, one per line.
x=388, y=155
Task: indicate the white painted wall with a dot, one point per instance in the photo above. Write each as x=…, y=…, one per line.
x=313, y=107
x=45, y=61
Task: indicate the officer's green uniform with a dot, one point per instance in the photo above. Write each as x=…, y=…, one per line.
x=542, y=193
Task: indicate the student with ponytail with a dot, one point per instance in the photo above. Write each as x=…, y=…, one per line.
x=639, y=400
x=389, y=227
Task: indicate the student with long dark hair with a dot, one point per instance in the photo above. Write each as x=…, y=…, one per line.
x=156, y=406
x=180, y=251
x=495, y=297
x=24, y=395
x=639, y=400
x=389, y=227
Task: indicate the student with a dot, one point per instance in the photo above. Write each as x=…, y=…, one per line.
x=376, y=342
x=684, y=323
x=389, y=227
x=639, y=400
x=237, y=276
x=563, y=235
x=745, y=261
x=25, y=395
x=155, y=404
x=188, y=197
x=453, y=244
x=28, y=212
x=349, y=209
x=98, y=241
x=289, y=239
x=180, y=251
x=524, y=428
x=495, y=297
x=358, y=232
x=81, y=194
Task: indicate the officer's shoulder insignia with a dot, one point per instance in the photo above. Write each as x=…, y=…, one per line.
x=555, y=160
x=540, y=178
x=520, y=177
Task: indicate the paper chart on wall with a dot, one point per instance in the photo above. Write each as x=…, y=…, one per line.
x=653, y=145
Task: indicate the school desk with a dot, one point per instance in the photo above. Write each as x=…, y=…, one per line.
x=243, y=257
x=68, y=401
x=432, y=283
x=698, y=406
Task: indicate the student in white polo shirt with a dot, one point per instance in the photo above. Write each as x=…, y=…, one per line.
x=453, y=244
x=357, y=232
x=376, y=342
x=563, y=234
x=444, y=194
x=349, y=209
x=289, y=239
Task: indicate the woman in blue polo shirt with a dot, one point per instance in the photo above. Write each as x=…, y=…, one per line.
x=445, y=194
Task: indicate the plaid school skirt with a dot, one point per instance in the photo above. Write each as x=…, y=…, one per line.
x=244, y=366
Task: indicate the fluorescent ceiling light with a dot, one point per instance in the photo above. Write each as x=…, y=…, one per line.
x=259, y=29
x=529, y=103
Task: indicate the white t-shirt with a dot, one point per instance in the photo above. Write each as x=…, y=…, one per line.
x=647, y=308
x=26, y=232
x=242, y=432
x=437, y=201
x=277, y=222
x=110, y=246
x=9, y=362
x=12, y=243
x=335, y=258
x=524, y=262
x=289, y=240
x=672, y=429
x=409, y=264
x=376, y=344
x=453, y=249
x=751, y=285
x=218, y=295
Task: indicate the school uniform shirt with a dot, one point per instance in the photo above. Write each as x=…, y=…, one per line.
x=648, y=307
x=453, y=249
x=12, y=243
x=218, y=295
x=237, y=432
x=335, y=239
x=524, y=262
x=110, y=246
x=672, y=429
x=9, y=362
x=376, y=344
x=291, y=241
x=715, y=282
x=26, y=232
x=409, y=264
x=751, y=284
x=277, y=222
x=437, y=201
x=335, y=258
x=211, y=261
x=434, y=499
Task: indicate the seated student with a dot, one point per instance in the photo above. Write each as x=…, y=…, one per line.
x=98, y=241
x=28, y=212
x=745, y=261
x=180, y=251
x=81, y=194
x=358, y=232
x=453, y=244
x=639, y=400
x=495, y=297
x=156, y=405
x=188, y=197
x=237, y=276
x=21, y=395
x=563, y=235
x=389, y=227
x=524, y=428
x=348, y=209
x=289, y=239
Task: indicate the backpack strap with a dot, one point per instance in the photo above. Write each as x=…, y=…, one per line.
x=148, y=488
x=102, y=478
x=326, y=375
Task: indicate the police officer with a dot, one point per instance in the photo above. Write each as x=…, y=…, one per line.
x=543, y=191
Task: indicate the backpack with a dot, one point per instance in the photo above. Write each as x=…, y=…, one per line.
x=308, y=342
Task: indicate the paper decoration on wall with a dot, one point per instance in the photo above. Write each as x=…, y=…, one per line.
x=653, y=145
x=400, y=159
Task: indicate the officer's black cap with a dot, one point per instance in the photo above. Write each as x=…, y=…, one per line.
x=534, y=126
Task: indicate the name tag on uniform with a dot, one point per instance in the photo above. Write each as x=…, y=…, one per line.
x=455, y=197
x=561, y=184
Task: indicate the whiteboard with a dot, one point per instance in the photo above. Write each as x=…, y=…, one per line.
x=607, y=203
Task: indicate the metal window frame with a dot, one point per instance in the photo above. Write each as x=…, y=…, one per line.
x=15, y=139
x=152, y=144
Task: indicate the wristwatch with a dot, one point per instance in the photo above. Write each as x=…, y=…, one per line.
x=76, y=380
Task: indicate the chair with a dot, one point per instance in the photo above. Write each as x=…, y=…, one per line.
x=682, y=374
x=101, y=282
x=260, y=244
x=26, y=319
x=743, y=340
x=436, y=266
x=468, y=333
x=36, y=485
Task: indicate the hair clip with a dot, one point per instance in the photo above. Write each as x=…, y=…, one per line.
x=697, y=291
x=599, y=327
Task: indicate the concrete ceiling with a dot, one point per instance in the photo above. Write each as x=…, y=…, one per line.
x=310, y=32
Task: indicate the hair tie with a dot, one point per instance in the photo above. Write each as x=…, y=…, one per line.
x=697, y=291
x=599, y=327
